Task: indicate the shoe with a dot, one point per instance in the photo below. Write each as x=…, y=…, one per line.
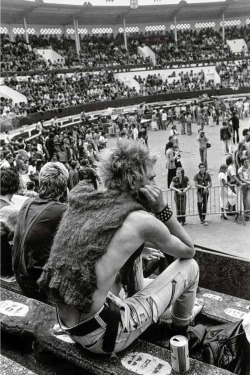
x=205, y=223
x=202, y=221
x=184, y=223
x=224, y=217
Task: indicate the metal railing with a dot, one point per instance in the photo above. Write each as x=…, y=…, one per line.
x=217, y=195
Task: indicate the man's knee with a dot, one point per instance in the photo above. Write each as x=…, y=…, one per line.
x=191, y=265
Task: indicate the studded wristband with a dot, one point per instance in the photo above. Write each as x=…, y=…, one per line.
x=165, y=214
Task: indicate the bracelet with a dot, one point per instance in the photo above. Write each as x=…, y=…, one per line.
x=165, y=214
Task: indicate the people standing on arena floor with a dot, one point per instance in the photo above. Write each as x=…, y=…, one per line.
x=171, y=161
x=244, y=176
x=180, y=184
x=203, y=182
x=36, y=226
x=85, y=272
x=225, y=137
x=236, y=124
x=227, y=196
x=202, y=140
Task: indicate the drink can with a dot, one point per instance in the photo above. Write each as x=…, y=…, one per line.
x=179, y=354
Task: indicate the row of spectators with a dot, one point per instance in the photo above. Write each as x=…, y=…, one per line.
x=54, y=91
x=107, y=50
x=189, y=81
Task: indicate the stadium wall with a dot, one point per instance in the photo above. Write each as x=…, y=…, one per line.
x=11, y=29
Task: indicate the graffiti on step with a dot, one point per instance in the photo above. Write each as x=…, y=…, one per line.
x=146, y=364
x=12, y=308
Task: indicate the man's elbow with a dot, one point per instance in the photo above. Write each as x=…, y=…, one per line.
x=191, y=251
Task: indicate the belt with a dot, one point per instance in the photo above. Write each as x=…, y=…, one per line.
x=86, y=327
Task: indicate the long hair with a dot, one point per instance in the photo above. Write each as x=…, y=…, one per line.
x=53, y=180
x=119, y=167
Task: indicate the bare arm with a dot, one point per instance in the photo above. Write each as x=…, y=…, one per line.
x=182, y=243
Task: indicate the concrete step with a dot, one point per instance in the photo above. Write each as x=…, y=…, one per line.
x=33, y=321
x=10, y=367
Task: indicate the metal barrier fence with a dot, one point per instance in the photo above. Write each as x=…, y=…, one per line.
x=218, y=196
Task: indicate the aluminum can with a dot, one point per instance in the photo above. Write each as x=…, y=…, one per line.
x=179, y=354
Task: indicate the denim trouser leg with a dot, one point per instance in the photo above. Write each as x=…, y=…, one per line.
x=176, y=286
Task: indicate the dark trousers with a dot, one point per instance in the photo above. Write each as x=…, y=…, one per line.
x=237, y=135
x=202, y=204
x=180, y=201
x=29, y=286
x=171, y=175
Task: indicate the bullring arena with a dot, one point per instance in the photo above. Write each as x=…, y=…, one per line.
x=77, y=79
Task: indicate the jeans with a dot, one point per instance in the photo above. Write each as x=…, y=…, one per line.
x=171, y=175
x=227, y=146
x=203, y=156
x=202, y=199
x=175, y=286
x=180, y=201
x=237, y=135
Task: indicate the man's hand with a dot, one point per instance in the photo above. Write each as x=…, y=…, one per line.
x=152, y=254
x=154, y=196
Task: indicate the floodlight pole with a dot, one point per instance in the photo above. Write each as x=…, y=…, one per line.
x=125, y=34
x=175, y=30
x=223, y=28
x=25, y=30
x=77, y=40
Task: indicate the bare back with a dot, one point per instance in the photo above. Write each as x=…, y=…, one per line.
x=139, y=227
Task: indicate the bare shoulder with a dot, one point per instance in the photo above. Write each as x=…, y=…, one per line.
x=143, y=223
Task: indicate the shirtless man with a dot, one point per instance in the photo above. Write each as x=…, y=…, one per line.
x=98, y=235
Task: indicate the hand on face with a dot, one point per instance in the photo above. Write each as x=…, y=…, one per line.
x=154, y=197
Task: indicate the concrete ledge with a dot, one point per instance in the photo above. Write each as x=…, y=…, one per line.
x=23, y=316
x=9, y=367
x=222, y=307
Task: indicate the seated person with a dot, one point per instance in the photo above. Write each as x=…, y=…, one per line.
x=37, y=223
x=8, y=217
x=103, y=231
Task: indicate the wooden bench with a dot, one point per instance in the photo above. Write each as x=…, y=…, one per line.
x=32, y=322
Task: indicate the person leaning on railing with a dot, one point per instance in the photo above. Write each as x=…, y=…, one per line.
x=244, y=175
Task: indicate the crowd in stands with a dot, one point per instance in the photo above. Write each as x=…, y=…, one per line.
x=204, y=44
x=107, y=50
x=189, y=81
x=54, y=91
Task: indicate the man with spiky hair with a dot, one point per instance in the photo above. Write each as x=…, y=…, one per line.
x=99, y=242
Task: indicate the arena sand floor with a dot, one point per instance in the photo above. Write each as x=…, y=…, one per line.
x=227, y=236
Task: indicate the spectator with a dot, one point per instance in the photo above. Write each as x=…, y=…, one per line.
x=8, y=217
x=202, y=143
x=225, y=137
x=88, y=174
x=85, y=271
x=227, y=196
x=171, y=162
x=73, y=175
x=236, y=124
x=180, y=184
x=37, y=223
x=244, y=176
x=203, y=182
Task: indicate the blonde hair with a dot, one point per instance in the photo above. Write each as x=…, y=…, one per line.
x=53, y=180
x=119, y=167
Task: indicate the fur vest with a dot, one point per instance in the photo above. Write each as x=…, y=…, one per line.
x=85, y=231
